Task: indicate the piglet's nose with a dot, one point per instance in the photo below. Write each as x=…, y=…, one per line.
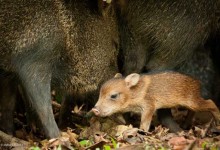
x=96, y=111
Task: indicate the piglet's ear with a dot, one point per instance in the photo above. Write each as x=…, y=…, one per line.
x=118, y=75
x=132, y=79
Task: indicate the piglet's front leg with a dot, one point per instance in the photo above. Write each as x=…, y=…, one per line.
x=146, y=118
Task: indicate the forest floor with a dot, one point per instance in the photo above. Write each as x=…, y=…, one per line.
x=84, y=132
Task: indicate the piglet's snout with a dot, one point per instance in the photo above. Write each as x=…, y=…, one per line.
x=96, y=111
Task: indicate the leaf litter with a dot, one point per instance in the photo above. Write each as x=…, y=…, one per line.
x=113, y=133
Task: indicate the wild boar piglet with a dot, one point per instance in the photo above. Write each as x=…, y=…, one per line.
x=148, y=92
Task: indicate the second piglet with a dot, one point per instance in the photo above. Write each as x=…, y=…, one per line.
x=146, y=93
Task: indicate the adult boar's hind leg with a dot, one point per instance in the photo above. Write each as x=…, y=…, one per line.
x=165, y=117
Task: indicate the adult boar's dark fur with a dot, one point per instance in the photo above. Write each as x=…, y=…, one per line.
x=72, y=44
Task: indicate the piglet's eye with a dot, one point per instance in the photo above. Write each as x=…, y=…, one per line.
x=114, y=96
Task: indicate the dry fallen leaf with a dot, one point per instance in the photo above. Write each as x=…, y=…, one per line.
x=98, y=137
x=133, y=136
x=168, y=136
x=77, y=109
x=118, y=131
x=178, y=143
x=160, y=131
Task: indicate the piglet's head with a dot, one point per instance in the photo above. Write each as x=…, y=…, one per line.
x=116, y=95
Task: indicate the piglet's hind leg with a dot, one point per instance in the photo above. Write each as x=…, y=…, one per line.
x=206, y=105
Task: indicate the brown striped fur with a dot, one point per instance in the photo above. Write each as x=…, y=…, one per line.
x=146, y=93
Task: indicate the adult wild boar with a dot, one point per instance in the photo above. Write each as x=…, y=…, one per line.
x=70, y=43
